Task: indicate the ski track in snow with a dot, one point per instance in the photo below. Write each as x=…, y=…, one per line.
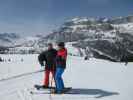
x=91, y=80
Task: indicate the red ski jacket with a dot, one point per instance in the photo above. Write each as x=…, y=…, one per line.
x=61, y=58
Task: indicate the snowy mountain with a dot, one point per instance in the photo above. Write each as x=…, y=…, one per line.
x=8, y=39
x=31, y=44
x=106, y=38
x=15, y=43
x=122, y=20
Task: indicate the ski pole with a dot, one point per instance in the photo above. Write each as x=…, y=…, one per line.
x=21, y=75
x=51, y=83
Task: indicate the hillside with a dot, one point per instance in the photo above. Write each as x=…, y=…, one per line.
x=104, y=38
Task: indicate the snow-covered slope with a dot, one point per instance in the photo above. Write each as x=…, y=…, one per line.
x=90, y=80
x=73, y=51
x=125, y=27
x=110, y=37
x=8, y=39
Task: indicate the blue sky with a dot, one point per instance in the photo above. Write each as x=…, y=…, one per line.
x=42, y=16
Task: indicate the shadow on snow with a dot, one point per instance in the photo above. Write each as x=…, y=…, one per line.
x=101, y=93
x=98, y=93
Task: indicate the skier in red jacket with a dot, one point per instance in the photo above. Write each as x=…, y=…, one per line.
x=60, y=67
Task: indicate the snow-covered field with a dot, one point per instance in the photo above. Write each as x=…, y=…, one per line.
x=91, y=80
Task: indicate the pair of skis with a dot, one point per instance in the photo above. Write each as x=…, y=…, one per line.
x=49, y=90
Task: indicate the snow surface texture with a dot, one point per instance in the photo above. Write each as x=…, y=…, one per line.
x=91, y=80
